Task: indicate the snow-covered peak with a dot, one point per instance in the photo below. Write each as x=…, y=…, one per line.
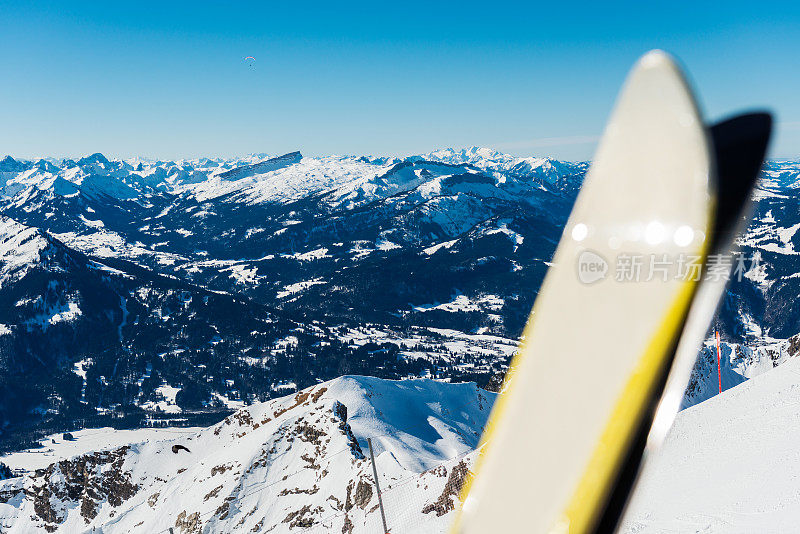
x=412, y=419
x=479, y=156
x=549, y=173
x=9, y=164
x=487, y=158
x=94, y=159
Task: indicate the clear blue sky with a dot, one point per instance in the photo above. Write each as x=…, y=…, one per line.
x=168, y=80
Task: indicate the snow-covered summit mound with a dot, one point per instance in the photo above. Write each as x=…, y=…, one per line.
x=286, y=465
x=420, y=423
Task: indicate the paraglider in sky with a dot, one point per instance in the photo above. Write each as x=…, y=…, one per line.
x=251, y=61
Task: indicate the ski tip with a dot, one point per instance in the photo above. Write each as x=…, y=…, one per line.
x=660, y=64
x=655, y=58
x=655, y=135
x=658, y=60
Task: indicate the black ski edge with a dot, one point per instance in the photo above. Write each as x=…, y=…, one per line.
x=626, y=478
x=739, y=146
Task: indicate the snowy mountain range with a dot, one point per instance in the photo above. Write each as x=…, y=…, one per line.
x=295, y=464
x=151, y=292
x=136, y=290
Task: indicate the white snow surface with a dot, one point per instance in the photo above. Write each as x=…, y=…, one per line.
x=55, y=448
x=729, y=465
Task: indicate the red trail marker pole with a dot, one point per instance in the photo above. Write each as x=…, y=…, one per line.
x=719, y=366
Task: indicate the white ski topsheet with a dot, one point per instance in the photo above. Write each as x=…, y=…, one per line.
x=596, y=337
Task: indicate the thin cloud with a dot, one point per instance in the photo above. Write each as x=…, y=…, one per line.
x=570, y=140
x=550, y=142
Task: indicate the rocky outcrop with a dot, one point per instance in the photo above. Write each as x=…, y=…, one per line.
x=452, y=488
x=88, y=481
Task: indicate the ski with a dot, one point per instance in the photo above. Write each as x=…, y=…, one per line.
x=740, y=145
x=567, y=436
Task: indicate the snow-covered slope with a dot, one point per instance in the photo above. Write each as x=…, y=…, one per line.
x=20, y=248
x=295, y=464
x=740, y=362
x=729, y=465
